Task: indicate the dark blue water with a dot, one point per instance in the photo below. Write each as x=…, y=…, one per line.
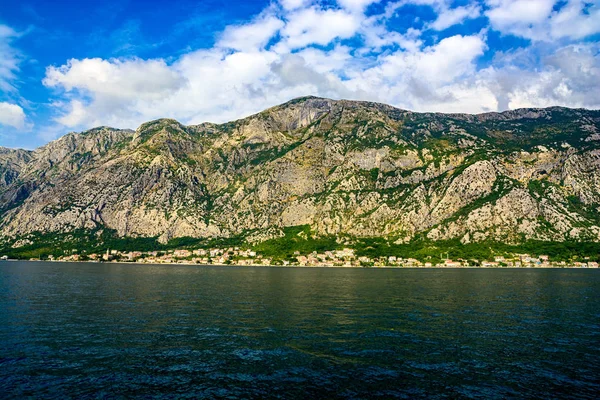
x=122, y=331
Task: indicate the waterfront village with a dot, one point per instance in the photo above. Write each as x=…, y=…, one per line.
x=338, y=258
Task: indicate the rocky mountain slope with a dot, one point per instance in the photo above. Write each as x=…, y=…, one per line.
x=11, y=163
x=345, y=168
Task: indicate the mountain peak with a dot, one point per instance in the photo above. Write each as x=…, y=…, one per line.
x=163, y=126
x=159, y=123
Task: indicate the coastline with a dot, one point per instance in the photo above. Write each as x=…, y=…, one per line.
x=298, y=266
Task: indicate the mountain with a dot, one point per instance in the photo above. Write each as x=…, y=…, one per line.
x=344, y=168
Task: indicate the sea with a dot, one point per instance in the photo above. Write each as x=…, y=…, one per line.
x=122, y=331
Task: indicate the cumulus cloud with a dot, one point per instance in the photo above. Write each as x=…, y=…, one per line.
x=577, y=19
x=146, y=79
x=317, y=26
x=294, y=72
x=448, y=17
x=424, y=80
x=442, y=63
x=111, y=87
x=519, y=17
x=335, y=60
x=12, y=115
x=296, y=47
x=540, y=20
x=251, y=36
x=568, y=77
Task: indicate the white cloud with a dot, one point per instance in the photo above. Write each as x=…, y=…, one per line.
x=77, y=114
x=442, y=63
x=293, y=73
x=356, y=5
x=425, y=80
x=322, y=61
x=135, y=78
x=569, y=77
x=576, y=20
x=290, y=5
x=12, y=115
x=448, y=17
x=108, y=87
x=251, y=36
x=376, y=34
x=317, y=26
x=518, y=15
x=537, y=19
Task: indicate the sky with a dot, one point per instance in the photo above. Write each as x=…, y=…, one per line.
x=74, y=65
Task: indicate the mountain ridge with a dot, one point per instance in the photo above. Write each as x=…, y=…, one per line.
x=344, y=168
x=304, y=98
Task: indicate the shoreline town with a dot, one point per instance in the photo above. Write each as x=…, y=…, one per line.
x=234, y=256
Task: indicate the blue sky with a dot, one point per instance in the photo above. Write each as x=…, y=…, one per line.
x=69, y=66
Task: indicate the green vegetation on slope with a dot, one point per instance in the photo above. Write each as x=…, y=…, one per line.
x=98, y=241
x=300, y=240
x=296, y=239
x=426, y=250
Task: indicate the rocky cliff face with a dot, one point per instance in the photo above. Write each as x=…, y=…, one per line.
x=343, y=167
x=11, y=164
